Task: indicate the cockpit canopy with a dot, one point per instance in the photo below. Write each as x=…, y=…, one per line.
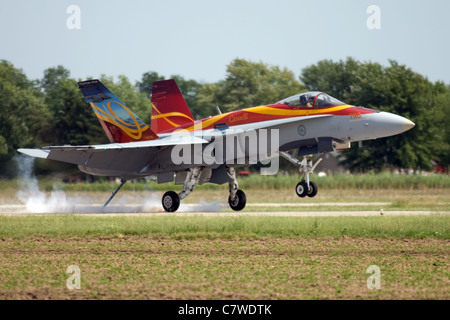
x=314, y=99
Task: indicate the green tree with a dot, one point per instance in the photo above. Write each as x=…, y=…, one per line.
x=52, y=76
x=147, y=79
x=441, y=128
x=24, y=117
x=209, y=97
x=334, y=78
x=76, y=122
x=395, y=89
x=73, y=119
x=250, y=84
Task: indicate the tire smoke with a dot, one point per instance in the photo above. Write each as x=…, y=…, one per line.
x=37, y=201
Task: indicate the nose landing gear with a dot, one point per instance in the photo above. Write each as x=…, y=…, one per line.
x=302, y=189
x=305, y=187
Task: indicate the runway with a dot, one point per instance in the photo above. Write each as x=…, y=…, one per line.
x=215, y=210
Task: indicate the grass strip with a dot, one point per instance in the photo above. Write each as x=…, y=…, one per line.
x=418, y=227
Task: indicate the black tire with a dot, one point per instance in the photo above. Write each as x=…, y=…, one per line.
x=239, y=202
x=301, y=189
x=312, y=189
x=170, y=201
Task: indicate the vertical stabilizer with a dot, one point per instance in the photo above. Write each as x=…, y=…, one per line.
x=169, y=109
x=120, y=123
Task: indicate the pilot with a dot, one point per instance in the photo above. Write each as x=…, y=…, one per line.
x=304, y=102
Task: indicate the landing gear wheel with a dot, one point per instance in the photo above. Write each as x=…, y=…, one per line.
x=170, y=201
x=239, y=201
x=312, y=189
x=301, y=189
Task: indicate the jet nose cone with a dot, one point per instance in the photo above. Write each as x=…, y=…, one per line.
x=385, y=124
x=407, y=124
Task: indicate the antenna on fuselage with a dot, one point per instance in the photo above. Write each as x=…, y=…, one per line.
x=218, y=110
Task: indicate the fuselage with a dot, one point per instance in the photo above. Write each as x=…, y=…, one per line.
x=343, y=122
x=310, y=123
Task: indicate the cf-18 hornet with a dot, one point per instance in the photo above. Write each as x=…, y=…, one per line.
x=177, y=147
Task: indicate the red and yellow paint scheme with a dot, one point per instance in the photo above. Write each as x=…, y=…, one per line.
x=321, y=103
x=169, y=109
x=117, y=120
x=170, y=113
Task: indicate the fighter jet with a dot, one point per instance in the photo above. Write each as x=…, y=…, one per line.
x=191, y=152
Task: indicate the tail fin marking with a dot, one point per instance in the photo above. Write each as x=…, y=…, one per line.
x=169, y=109
x=118, y=121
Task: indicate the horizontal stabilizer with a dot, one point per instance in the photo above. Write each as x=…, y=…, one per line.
x=37, y=153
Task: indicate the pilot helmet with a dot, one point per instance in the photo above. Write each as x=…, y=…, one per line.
x=302, y=99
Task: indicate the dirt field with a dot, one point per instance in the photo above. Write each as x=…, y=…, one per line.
x=159, y=267
x=231, y=258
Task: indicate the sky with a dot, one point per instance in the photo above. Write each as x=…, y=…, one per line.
x=197, y=39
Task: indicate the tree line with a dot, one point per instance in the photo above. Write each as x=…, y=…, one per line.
x=51, y=110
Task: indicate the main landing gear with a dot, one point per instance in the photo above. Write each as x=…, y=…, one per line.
x=305, y=187
x=236, y=200
x=171, y=200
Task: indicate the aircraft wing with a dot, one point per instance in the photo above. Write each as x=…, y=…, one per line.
x=128, y=157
